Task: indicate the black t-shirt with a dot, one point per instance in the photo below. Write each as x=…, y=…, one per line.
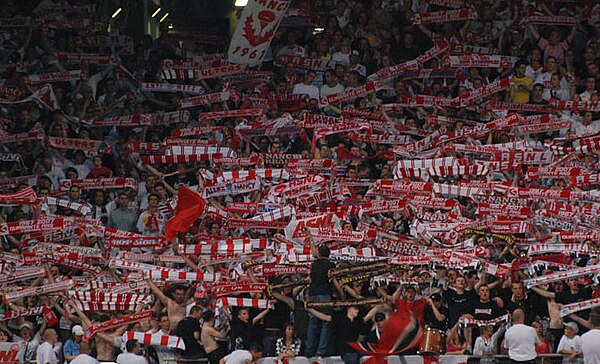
x=566, y=297
x=277, y=317
x=319, y=278
x=186, y=329
x=458, y=304
x=345, y=331
x=241, y=334
x=486, y=311
x=433, y=322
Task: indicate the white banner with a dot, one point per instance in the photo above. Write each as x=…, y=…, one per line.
x=256, y=27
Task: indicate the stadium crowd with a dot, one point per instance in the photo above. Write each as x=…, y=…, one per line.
x=456, y=188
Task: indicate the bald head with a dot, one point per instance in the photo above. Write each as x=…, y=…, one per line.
x=518, y=316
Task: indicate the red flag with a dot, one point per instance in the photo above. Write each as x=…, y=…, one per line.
x=190, y=205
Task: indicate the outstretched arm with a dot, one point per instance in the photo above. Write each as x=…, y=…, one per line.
x=157, y=291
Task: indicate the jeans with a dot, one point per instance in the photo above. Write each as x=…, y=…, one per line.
x=268, y=342
x=312, y=337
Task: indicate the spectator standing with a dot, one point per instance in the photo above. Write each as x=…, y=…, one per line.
x=71, y=349
x=45, y=352
x=570, y=344
x=84, y=355
x=189, y=330
x=590, y=340
x=132, y=354
x=520, y=340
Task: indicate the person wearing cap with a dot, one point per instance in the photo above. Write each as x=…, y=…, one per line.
x=29, y=341
x=132, y=354
x=436, y=315
x=72, y=346
x=570, y=344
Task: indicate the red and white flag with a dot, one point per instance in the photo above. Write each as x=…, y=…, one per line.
x=256, y=27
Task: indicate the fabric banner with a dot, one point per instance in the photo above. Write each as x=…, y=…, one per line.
x=26, y=196
x=532, y=282
x=256, y=27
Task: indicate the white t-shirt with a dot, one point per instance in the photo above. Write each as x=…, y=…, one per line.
x=238, y=357
x=520, y=341
x=590, y=346
x=310, y=90
x=131, y=358
x=569, y=344
x=84, y=359
x=45, y=354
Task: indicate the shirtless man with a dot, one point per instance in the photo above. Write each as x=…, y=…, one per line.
x=175, y=306
x=208, y=335
x=106, y=342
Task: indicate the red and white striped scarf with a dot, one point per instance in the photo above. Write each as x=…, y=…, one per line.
x=198, y=150
x=72, y=143
x=79, y=58
x=155, y=339
x=266, y=173
x=234, y=288
x=32, y=291
x=566, y=310
x=235, y=162
x=479, y=60
x=444, y=16
x=145, y=242
x=394, y=71
x=71, y=205
x=185, y=132
x=105, y=306
x=485, y=91
x=176, y=74
x=26, y=196
x=206, y=99
x=557, y=20
x=269, y=270
x=37, y=133
x=169, y=87
x=233, y=187
x=183, y=276
x=532, y=282
x=467, y=321
x=244, y=302
x=219, y=71
x=22, y=275
x=34, y=311
x=178, y=158
x=116, y=298
x=277, y=214
x=542, y=127
x=99, y=183
x=63, y=76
